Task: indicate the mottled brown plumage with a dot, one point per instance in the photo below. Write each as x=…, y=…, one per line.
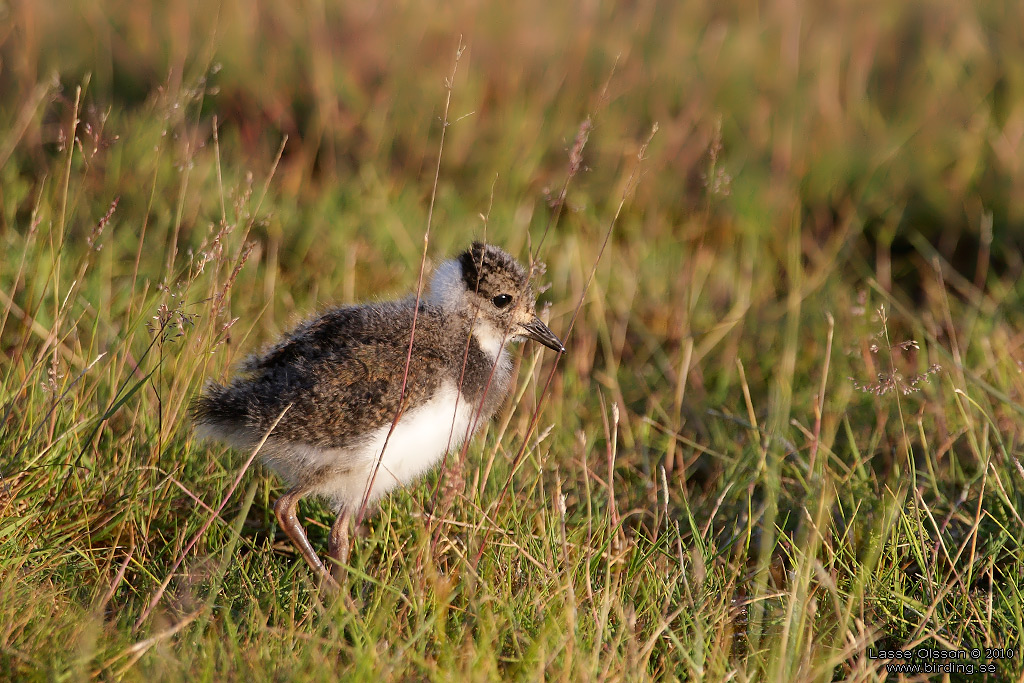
x=340, y=376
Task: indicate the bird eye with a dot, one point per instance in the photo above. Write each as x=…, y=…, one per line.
x=502, y=300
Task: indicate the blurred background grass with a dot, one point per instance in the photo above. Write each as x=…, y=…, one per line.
x=812, y=162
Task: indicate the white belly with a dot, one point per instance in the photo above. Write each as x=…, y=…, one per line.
x=422, y=436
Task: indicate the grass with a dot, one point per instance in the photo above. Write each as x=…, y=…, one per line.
x=786, y=435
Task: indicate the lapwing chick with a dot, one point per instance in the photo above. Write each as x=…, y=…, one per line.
x=338, y=381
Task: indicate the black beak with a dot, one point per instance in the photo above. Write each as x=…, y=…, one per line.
x=538, y=331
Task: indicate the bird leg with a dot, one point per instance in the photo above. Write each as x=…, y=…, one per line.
x=337, y=544
x=285, y=509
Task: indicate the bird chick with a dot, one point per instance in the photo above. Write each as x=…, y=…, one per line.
x=352, y=422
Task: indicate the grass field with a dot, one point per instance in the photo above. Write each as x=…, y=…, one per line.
x=788, y=430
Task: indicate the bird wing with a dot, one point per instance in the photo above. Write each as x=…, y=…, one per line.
x=342, y=373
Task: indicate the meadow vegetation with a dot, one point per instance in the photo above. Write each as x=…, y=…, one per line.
x=788, y=429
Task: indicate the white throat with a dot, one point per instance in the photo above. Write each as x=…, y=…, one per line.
x=491, y=341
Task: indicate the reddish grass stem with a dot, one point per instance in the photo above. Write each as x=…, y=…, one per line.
x=449, y=86
x=634, y=178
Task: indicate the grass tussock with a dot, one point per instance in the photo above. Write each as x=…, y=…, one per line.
x=787, y=433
